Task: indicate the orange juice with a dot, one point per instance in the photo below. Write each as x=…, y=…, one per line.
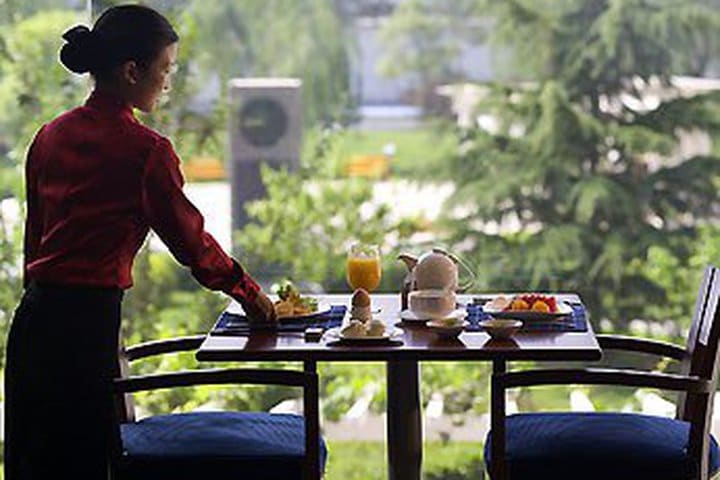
x=363, y=272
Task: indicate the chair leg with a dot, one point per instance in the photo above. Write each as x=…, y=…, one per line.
x=497, y=422
x=312, y=424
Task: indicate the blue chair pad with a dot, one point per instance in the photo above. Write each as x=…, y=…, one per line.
x=597, y=445
x=209, y=444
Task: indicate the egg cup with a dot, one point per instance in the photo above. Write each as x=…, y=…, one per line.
x=364, y=313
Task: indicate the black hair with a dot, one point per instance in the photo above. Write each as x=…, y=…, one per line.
x=121, y=33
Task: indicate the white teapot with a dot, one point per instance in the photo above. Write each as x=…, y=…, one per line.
x=433, y=270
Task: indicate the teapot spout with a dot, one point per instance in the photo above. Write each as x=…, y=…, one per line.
x=409, y=260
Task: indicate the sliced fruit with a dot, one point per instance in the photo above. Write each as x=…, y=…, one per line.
x=540, y=306
x=519, y=304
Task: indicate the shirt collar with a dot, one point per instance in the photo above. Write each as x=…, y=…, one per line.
x=108, y=103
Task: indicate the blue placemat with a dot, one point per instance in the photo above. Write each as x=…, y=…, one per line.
x=234, y=324
x=575, y=322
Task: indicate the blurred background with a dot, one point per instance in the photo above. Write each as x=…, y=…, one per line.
x=555, y=145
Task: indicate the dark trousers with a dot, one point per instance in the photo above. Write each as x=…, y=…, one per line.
x=61, y=358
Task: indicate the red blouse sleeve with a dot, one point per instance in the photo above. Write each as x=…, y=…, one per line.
x=180, y=226
x=33, y=219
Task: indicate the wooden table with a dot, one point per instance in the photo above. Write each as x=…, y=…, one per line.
x=404, y=421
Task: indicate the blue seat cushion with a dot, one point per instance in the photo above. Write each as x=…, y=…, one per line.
x=597, y=445
x=215, y=445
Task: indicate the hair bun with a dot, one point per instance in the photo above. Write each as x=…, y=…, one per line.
x=79, y=53
x=77, y=34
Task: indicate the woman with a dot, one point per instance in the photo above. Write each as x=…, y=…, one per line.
x=97, y=181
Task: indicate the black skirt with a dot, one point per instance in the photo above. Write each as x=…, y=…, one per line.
x=61, y=358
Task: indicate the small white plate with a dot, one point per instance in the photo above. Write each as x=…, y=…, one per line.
x=366, y=338
x=408, y=316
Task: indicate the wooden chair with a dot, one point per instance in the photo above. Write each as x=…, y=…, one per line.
x=199, y=445
x=617, y=446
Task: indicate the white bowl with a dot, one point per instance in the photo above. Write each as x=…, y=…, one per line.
x=432, y=304
x=501, y=328
x=446, y=329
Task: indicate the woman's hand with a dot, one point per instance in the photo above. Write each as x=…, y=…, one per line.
x=260, y=312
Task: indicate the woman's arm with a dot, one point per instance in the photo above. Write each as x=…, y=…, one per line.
x=182, y=228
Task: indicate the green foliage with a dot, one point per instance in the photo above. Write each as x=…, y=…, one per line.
x=356, y=461
x=583, y=177
x=464, y=385
x=34, y=87
x=341, y=384
x=308, y=219
x=679, y=277
x=453, y=461
x=12, y=11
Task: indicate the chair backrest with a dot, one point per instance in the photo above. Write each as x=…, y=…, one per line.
x=702, y=361
x=703, y=340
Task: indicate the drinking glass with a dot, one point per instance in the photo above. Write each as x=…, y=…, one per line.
x=363, y=266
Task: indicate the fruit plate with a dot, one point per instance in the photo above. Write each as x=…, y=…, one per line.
x=563, y=310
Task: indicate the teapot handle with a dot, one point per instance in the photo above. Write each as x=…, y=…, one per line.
x=462, y=263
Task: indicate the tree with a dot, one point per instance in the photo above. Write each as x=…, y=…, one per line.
x=581, y=170
x=13, y=11
x=424, y=38
x=279, y=38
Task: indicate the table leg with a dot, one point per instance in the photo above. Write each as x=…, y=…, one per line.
x=404, y=421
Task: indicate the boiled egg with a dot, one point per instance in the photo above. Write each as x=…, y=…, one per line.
x=360, y=298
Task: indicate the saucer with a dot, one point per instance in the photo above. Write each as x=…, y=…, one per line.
x=392, y=336
x=408, y=316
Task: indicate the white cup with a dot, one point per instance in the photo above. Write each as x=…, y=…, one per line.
x=432, y=303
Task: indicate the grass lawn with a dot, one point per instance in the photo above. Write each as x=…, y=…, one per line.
x=367, y=461
x=415, y=150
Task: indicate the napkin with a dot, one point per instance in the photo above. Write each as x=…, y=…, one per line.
x=575, y=322
x=236, y=324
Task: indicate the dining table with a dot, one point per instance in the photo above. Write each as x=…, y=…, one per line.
x=410, y=344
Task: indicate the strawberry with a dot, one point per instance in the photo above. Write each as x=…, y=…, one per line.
x=552, y=303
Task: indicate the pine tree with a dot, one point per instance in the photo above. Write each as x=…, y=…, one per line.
x=581, y=170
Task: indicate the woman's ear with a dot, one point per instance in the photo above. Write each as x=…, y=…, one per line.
x=130, y=72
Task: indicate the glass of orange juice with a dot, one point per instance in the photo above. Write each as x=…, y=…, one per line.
x=363, y=266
